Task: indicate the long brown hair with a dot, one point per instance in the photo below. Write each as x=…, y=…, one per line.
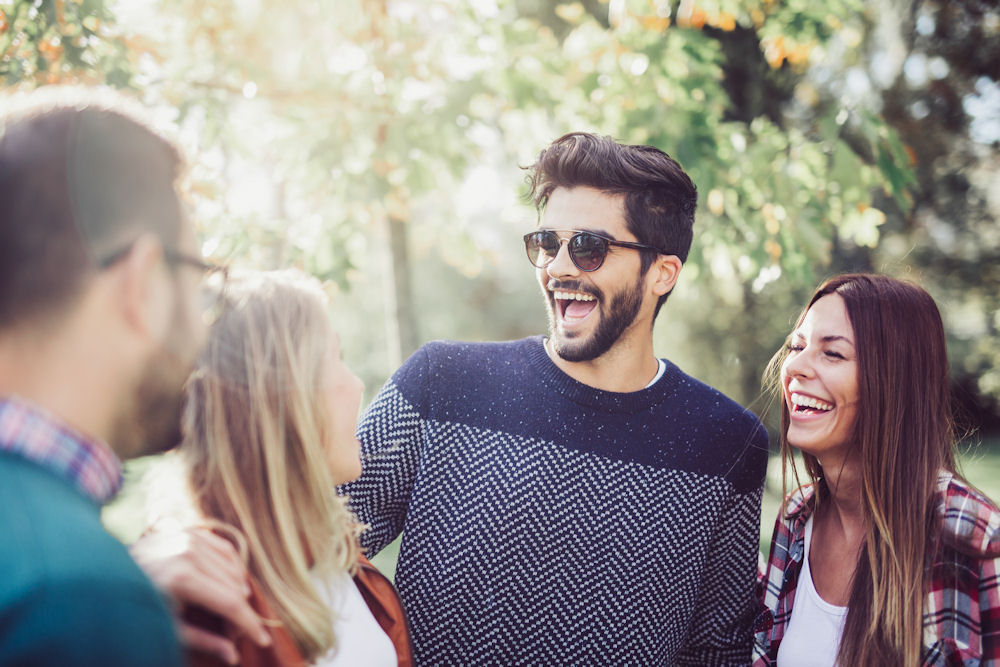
x=254, y=448
x=903, y=437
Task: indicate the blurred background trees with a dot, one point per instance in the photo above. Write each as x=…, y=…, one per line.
x=377, y=144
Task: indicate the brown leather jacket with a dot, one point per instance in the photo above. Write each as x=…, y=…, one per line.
x=376, y=589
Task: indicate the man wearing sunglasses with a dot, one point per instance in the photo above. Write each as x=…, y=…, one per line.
x=571, y=499
x=100, y=323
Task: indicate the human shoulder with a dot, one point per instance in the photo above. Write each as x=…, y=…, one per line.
x=70, y=594
x=964, y=587
x=451, y=353
x=49, y=526
x=448, y=363
x=54, y=540
x=48, y=522
x=970, y=522
x=717, y=407
x=74, y=619
x=444, y=379
x=799, y=503
x=725, y=437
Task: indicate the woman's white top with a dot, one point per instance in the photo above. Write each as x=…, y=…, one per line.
x=812, y=636
x=361, y=642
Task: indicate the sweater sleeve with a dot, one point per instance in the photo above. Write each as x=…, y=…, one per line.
x=722, y=633
x=392, y=434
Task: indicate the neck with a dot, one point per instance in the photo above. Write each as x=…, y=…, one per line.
x=61, y=374
x=628, y=366
x=845, y=507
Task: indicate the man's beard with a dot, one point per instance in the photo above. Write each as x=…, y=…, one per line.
x=151, y=421
x=623, y=309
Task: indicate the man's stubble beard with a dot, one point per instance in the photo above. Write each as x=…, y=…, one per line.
x=150, y=423
x=622, y=311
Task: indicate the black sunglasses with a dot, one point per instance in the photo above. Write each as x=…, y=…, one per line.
x=586, y=249
x=212, y=290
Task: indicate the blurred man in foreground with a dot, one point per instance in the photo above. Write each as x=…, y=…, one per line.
x=100, y=322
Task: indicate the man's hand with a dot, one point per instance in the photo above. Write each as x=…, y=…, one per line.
x=195, y=567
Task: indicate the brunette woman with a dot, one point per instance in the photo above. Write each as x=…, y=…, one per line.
x=887, y=556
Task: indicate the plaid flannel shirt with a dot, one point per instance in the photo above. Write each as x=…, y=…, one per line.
x=31, y=433
x=962, y=609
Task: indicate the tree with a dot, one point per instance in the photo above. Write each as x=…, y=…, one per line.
x=342, y=136
x=786, y=173
x=944, y=100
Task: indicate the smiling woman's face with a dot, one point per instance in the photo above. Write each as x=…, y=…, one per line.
x=819, y=381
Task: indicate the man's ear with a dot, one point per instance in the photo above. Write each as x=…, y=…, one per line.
x=141, y=290
x=665, y=271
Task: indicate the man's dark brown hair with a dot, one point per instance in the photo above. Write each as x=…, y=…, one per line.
x=80, y=179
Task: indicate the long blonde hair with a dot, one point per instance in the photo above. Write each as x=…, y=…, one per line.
x=256, y=423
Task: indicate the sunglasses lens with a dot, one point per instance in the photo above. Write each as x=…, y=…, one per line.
x=542, y=248
x=588, y=251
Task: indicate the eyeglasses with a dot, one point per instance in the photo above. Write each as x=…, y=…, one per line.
x=211, y=290
x=586, y=249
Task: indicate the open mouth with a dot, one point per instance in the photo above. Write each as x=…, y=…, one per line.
x=809, y=405
x=574, y=306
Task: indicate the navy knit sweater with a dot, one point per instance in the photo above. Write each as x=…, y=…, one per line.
x=546, y=522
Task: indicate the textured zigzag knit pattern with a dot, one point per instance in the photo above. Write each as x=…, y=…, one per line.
x=546, y=522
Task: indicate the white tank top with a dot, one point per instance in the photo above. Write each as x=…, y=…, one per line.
x=360, y=639
x=812, y=637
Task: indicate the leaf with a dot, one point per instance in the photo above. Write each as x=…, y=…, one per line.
x=862, y=226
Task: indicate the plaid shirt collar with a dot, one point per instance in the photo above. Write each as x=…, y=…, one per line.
x=968, y=520
x=777, y=582
x=32, y=433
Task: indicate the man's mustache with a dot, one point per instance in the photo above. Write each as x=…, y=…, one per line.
x=573, y=286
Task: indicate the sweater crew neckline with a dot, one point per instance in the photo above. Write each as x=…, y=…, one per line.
x=583, y=394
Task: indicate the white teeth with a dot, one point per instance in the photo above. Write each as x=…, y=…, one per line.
x=573, y=296
x=810, y=402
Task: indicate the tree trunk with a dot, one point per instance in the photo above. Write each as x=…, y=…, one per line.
x=401, y=321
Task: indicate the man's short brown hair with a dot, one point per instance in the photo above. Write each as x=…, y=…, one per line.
x=80, y=179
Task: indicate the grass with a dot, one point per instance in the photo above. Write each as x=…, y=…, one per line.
x=126, y=516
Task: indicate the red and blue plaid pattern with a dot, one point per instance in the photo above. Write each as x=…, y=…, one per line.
x=962, y=610
x=29, y=432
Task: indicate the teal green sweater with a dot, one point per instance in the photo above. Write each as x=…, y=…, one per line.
x=69, y=592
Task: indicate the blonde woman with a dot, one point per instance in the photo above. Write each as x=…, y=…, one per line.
x=269, y=432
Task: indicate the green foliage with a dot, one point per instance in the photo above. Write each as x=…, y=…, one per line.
x=779, y=193
x=313, y=125
x=56, y=41
x=382, y=107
